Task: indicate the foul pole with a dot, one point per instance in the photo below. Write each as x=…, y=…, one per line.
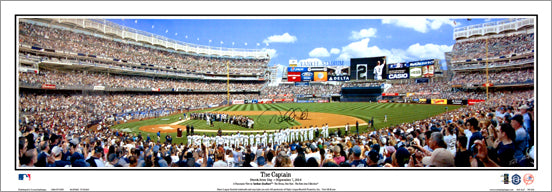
x=487, y=64
x=228, y=80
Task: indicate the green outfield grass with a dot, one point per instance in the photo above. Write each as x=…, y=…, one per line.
x=397, y=113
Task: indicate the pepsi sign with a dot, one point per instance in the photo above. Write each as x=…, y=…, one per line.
x=298, y=69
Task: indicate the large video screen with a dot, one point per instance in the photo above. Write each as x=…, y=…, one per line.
x=363, y=68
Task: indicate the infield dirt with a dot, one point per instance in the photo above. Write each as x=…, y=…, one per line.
x=314, y=119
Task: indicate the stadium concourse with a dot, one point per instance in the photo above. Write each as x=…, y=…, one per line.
x=58, y=104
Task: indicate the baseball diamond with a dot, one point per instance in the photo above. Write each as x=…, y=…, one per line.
x=337, y=115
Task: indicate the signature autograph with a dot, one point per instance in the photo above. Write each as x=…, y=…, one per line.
x=290, y=115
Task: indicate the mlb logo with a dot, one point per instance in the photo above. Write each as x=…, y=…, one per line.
x=23, y=176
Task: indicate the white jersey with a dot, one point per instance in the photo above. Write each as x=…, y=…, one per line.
x=226, y=139
x=257, y=139
x=378, y=72
x=217, y=140
x=232, y=139
x=245, y=139
x=197, y=140
x=264, y=139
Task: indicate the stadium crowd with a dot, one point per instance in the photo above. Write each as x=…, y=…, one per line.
x=499, y=132
x=78, y=111
x=290, y=91
x=482, y=64
x=67, y=41
x=498, y=46
x=362, y=84
x=413, y=87
x=497, y=78
x=78, y=78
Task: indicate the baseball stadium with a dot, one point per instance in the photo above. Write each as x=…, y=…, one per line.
x=97, y=93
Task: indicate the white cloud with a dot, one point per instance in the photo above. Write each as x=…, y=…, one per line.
x=437, y=23
x=414, y=52
x=271, y=52
x=319, y=52
x=419, y=24
x=363, y=33
x=284, y=38
x=335, y=51
x=428, y=51
x=361, y=49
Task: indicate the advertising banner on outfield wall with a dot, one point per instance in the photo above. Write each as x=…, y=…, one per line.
x=307, y=76
x=420, y=63
x=238, y=102
x=439, y=101
x=390, y=94
x=427, y=71
x=48, y=86
x=303, y=84
x=265, y=101
x=338, y=78
x=398, y=71
x=298, y=69
x=101, y=88
x=282, y=100
x=457, y=102
x=294, y=76
x=383, y=101
x=415, y=72
x=320, y=76
x=474, y=101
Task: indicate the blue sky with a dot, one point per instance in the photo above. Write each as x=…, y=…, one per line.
x=399, y=38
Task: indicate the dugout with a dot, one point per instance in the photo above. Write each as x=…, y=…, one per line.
x=360, y=94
